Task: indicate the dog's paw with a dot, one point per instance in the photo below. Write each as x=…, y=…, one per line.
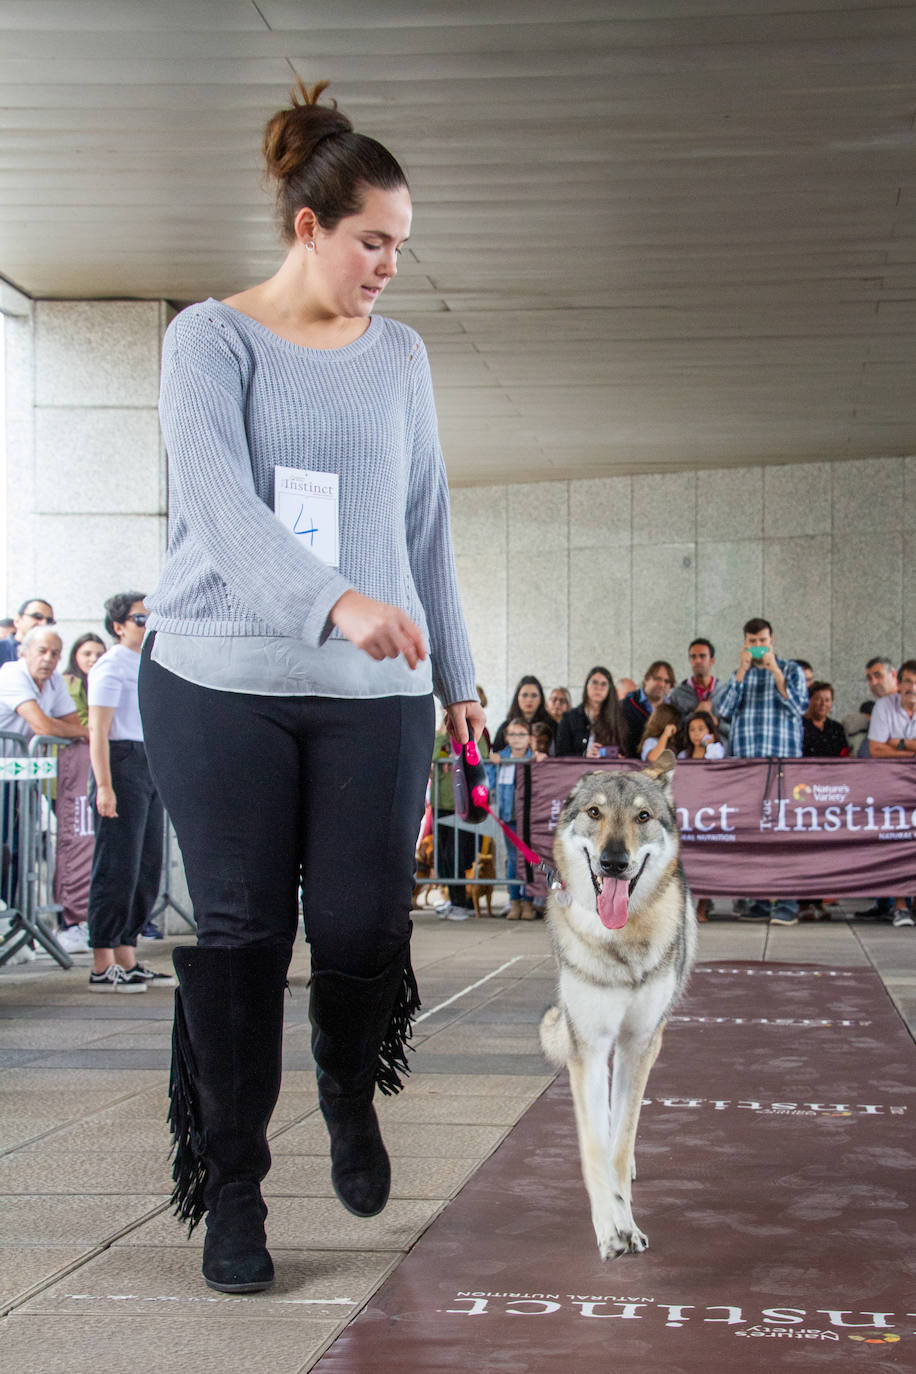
x=616, y=1243
x=637, y=1241
x=618, y=1234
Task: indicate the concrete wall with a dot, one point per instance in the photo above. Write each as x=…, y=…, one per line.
x=556, y=576
x=559, y=576
x=86, y=478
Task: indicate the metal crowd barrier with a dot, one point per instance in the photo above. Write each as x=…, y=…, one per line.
x=458, y=846
x=28, y=832
x=28, y=825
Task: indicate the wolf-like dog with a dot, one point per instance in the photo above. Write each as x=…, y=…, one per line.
x=623, y=929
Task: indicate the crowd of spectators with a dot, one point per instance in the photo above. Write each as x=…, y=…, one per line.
x=107, y=870
x=768, y=707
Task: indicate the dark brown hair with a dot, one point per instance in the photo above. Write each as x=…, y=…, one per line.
x=317, y=160
x=117, y=609
x=654, y=667
x=682, y=740
x=664, y=714
x=608, y=726
x=73, y=668
x=516, y=711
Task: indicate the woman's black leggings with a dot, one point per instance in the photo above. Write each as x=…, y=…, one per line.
x=266, y=793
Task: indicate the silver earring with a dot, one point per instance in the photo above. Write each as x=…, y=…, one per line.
x=311, y=245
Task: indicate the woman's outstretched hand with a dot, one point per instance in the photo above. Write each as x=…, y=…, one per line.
x=380, y=630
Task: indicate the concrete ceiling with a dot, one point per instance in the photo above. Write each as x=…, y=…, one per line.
x=648, y=235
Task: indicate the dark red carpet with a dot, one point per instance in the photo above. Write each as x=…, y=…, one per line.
x=777, y=1185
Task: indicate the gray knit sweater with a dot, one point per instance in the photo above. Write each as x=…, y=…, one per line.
x=238, y=400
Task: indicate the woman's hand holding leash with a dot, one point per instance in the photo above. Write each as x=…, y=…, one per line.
x=465, y=720
x=106, y=802
x=380, y=630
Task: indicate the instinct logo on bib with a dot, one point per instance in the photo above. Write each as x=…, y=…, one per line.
x=308, y=504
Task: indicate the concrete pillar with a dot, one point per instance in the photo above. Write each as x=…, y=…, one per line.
x=85, y=479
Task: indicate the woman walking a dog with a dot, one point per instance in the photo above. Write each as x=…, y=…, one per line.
x=308, y=610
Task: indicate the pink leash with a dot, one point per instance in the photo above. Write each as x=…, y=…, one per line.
x=480, y=796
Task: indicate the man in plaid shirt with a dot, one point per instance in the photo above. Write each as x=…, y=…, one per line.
x=766, y=699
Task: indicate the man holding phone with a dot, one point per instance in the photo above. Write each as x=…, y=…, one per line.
x=766, y=699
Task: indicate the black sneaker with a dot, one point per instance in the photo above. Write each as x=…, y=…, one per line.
x=873, y=913
x=114, y=979
x=147, y=977
x=755, y=912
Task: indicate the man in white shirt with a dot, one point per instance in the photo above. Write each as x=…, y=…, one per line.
x=892, y=735
x=33, y=697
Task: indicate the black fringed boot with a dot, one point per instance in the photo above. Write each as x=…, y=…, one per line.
x=227, y=1044
x=360, y=1029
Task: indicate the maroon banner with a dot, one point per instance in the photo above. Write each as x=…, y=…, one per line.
x=772, y=827
x=75, y=832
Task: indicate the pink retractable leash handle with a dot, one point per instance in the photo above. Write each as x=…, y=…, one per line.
x=469, y=781
x=472, y=803
x=472, y=798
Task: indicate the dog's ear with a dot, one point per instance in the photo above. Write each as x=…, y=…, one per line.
x=662, y=772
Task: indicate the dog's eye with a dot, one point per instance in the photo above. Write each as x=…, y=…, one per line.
x=644, y=816
x=594, y=812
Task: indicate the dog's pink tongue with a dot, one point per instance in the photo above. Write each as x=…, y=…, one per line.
x=613, y=901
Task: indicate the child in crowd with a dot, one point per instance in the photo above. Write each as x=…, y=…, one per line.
x=541, y=740
x=700, y=737
x=518, y=746
x=661, y=728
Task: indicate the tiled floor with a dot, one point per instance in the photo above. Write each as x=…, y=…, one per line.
x=96, y=1276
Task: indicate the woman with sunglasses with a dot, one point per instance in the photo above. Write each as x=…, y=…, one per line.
x=127, y=858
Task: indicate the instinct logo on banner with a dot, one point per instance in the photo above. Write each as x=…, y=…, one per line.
x=823, y=808
x=786, y=1322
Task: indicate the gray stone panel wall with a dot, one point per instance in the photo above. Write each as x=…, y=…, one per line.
x=86, y=474
x=622, y=570
x=556, y=576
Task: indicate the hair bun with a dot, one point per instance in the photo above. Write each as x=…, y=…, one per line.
x=292, y=135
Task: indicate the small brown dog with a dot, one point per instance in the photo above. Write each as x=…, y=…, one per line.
x=425, y=879
x=484, y=866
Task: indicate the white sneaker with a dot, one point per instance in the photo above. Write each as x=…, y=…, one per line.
x=461, y=913
x=903, y=918
x=73, y=939
x=443, y=911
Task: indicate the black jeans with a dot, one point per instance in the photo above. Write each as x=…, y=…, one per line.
x=127, y=858
x=266, y=793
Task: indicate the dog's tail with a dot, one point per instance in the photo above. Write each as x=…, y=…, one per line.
x=556, y=1041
